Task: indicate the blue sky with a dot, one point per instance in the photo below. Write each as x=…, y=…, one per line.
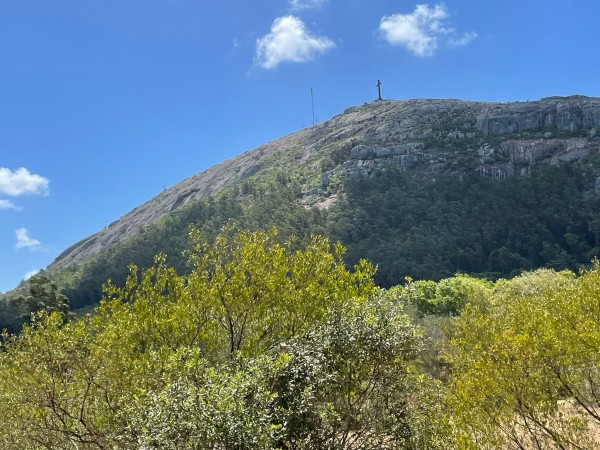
x=105, y=103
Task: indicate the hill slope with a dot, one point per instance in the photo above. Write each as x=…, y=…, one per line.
x=397, y=133
x=422, y=187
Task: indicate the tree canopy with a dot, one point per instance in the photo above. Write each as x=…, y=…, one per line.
x=525, y=364
x=259, y=345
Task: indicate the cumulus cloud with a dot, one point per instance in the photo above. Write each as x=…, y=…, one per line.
x=7, y=204
x=289, y=41
x=422, y=31
x=26, y=241
x=22, y=182
x=299, y=5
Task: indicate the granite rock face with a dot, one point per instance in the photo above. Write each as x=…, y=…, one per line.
x=427, y=136
x=562, y=114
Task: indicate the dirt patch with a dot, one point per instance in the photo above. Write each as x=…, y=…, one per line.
x=327, y=202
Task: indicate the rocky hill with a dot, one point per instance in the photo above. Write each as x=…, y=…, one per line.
x=423, y=188
x=428, y=136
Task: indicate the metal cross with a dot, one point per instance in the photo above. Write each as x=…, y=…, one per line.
x=379, y=88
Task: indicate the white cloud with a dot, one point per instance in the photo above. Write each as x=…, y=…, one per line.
x=289, y=41
x=21, y=182
x=423, y=30
x=7, y=204
x=299, y=5
x=31, y=273
x=26, y=241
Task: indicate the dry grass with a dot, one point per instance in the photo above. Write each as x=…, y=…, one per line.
x=530, y=436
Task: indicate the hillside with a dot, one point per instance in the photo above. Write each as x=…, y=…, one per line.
x=497, y=140
x=424, y=188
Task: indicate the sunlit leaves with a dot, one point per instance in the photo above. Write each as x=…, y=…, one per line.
x=526, y=363
x=187, y=361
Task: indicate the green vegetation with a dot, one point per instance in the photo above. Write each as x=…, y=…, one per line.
x=214, y=331
x=430, y=230
x=525, y=362
x=260, y=346
x=407, y=226
x=449, y=296
x=42, y=295
x=269, y=342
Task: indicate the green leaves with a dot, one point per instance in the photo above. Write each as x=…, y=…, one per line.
x=203, y=360
x=525, y=363
x=447, y=297
x=258, y=292
x=206, y=407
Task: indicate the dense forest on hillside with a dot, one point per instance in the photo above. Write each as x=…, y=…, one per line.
x=406, y=225
x=470, y=224
x=271, y=345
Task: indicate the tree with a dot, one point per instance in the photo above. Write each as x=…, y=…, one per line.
x=206, y=359
x=447, y=297
x=43, y=296
x=348, y=383
x=525, y=364
x=245, y=293
x=351, y=383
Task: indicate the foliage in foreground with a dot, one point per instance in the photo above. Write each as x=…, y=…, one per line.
x=259, y=346
x=526, y=364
